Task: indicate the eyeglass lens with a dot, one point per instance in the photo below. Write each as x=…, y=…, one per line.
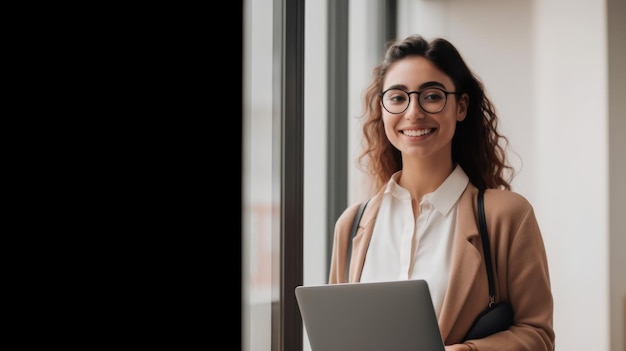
x=430, y=100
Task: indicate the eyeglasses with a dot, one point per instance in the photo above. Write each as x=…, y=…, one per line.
x=431, y=100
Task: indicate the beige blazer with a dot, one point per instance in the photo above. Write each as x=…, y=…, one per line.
x=519, y=263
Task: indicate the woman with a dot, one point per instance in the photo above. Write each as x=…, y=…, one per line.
x=431, y=141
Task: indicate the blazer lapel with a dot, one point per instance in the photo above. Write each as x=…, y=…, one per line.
x=465, y=262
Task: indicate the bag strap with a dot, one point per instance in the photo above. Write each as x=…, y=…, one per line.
x=486, y=247
x=355, y=226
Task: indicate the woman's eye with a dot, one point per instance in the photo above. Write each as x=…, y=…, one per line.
x=432, y=96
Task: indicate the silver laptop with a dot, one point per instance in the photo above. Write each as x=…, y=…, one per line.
x=383, y=316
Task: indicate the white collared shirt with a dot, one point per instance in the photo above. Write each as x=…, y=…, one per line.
x=402, y=248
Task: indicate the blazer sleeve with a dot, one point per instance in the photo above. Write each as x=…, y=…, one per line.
x=521, y=267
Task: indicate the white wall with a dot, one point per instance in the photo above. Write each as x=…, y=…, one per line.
x=588, y=117
x=571, y=116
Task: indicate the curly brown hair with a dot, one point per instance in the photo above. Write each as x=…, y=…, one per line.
x=477, y=146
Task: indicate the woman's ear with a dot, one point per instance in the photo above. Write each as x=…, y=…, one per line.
x=461, y=107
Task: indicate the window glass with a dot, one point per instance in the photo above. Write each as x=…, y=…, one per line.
x=258, y=206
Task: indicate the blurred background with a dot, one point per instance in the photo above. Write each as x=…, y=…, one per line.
x=555, y=71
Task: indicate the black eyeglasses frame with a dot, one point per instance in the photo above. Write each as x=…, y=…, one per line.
x=408, y=93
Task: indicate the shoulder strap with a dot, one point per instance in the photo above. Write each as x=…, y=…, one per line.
x=485, y=240
x=355, y=226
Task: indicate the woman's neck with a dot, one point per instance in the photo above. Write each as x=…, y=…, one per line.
x=424, y=177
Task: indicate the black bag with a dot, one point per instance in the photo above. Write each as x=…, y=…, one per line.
x=498, y=316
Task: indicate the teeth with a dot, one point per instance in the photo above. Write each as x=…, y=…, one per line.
x=417, y=132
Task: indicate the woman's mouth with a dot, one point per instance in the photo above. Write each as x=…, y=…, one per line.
x=417, y=132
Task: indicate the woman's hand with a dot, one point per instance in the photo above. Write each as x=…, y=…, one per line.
x=458, y=347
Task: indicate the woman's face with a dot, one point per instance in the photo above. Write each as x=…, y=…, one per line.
x=415, y=132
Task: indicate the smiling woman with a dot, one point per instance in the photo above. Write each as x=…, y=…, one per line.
x=431, y=157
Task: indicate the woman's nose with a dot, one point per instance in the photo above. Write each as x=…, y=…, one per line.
x=414, y=110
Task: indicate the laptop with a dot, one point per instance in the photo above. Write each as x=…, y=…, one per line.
x=381, y=316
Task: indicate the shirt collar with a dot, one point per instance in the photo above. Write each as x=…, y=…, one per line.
x=442, y=199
